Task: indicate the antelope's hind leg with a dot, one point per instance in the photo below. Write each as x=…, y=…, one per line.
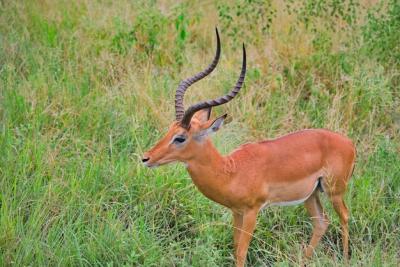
x=319, y=219
x=342, y=211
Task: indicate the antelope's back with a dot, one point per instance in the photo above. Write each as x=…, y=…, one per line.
x=299, y=154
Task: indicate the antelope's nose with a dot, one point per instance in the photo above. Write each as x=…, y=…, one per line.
x=145, y=159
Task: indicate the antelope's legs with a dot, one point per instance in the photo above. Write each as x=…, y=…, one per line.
x=341, y=210
x=237, y=226
x=245, y=235
x=319, y=219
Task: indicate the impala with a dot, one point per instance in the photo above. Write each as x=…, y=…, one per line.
x=288, y=170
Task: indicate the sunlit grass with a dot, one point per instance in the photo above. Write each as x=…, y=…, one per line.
x=86, y=87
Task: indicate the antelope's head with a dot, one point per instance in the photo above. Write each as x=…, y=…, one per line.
x=188, y=133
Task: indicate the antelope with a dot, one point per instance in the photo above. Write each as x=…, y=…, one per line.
x=289, y=170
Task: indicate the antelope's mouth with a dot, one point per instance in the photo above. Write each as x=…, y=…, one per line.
x=151, y=165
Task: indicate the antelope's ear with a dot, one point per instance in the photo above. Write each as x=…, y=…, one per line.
x=211, y=127
x=203, y=115
x=217, y=123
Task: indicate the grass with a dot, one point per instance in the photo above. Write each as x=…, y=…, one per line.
x=86, y=87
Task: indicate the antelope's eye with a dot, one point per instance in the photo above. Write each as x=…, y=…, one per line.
x=179, y=140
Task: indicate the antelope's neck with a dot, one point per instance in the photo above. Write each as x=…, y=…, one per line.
x=211, y=173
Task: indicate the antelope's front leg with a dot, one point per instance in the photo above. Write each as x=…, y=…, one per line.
x=245, y=235
x=237, y=226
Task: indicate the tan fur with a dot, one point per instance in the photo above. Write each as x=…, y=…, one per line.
x=282, y=170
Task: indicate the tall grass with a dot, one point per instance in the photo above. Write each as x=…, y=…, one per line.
x=87, y=86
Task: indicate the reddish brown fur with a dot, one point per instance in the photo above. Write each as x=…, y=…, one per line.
x=258, y=174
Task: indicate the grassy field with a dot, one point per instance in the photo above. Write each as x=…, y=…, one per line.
x=87, y=86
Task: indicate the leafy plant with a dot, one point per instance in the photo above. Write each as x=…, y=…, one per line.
x=241, y=17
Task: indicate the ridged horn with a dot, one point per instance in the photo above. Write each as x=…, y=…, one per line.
x=184, y=85
x=185, y=122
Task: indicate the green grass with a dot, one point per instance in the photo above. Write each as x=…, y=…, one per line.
x=86, y=87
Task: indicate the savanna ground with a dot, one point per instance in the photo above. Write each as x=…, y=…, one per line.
x=87, y=86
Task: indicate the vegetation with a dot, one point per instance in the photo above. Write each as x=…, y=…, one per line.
x=87, y=86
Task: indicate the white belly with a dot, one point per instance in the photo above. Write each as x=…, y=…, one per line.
x=292, y=202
